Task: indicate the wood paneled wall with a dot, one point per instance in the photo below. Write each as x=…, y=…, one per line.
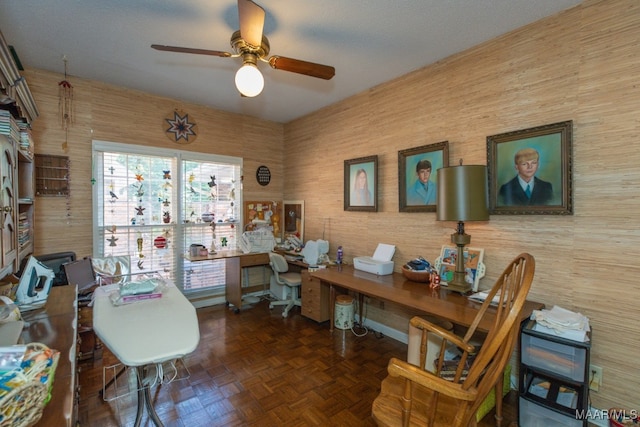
x=581, y=65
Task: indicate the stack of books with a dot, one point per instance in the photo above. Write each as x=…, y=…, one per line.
x=9, y=126
x=24, y=230
x=26, y=141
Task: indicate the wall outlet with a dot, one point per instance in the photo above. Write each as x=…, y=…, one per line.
x=595, y=377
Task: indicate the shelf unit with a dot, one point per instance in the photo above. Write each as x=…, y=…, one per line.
x=52, y=175
x=26, y=204
x=554, y=379
x=16, y=240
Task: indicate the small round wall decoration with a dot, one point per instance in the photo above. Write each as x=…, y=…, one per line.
x=263, y=175
x=180, y=127
x=160, y=242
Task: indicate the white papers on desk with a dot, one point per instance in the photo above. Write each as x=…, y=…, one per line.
x=562, y=323
x=260, y=240
x=482, y=296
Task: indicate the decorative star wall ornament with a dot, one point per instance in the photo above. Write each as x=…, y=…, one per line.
x=140, y=210
x=179, y=128
x=112, y=240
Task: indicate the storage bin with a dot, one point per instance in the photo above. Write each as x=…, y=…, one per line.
x=566, y=360
x=344, y=312
x=533, y=415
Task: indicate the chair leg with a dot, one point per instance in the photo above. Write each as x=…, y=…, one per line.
x=285, y=312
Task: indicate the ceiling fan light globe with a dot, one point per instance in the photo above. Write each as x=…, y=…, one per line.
x=249, y=80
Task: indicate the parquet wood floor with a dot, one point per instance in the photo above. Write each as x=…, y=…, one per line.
x=258, y=369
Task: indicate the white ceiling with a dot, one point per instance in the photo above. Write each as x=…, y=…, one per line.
x=367, y=41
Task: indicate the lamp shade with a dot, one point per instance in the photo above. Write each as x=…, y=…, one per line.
x=462, y=193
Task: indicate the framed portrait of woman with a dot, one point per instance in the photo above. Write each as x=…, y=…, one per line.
x=361, y=184
x=530, y=171
x=417, y=178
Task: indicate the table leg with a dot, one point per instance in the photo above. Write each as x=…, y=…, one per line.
x=332, y=301
x=144, y=399
x=360, y=306
x=233, y=282
x=150, y=409
x=139, y=377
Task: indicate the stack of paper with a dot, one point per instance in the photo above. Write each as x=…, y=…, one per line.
x=562, y=323
x=482, y=296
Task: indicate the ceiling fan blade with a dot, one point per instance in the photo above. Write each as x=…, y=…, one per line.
x=302, y=67
x=251, y=22
x=191, y=50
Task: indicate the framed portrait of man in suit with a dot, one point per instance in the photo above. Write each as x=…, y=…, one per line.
x=529, y=171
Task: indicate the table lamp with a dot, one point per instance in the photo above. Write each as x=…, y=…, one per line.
x=462, y=196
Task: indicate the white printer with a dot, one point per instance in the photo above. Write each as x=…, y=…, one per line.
x=380, y=263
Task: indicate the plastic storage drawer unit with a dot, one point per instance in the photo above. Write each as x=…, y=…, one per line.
x=561, y=359
x=532, y=415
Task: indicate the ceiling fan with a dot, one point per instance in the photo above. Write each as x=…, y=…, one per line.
x=250, y=44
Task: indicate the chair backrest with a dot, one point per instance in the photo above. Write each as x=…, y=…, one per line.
x=80, y=273
x=278, y=263
x=510, y=290
x=453, y=393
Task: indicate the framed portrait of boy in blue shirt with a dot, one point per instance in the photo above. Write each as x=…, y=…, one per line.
x=529, y=171
x=417, y=176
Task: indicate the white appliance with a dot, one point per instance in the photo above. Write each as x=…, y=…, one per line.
x=34, y=286
x=380, y=263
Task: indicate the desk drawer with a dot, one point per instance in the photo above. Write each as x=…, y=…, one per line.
x=315, y=298
x=254, y=259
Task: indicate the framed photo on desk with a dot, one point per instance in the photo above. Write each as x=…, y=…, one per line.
x=473, y=265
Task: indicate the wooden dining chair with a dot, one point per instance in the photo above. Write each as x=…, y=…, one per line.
x=450, y=396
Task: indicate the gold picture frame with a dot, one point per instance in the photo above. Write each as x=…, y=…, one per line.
x=540, y=155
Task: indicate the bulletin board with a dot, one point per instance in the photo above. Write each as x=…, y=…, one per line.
x=268, y=213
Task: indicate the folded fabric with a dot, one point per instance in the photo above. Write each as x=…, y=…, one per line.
x=136, y=288
x=561, y=322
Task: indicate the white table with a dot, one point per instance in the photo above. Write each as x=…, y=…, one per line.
x=146, y=333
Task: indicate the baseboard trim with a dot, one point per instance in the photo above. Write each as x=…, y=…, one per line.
x=385, y=330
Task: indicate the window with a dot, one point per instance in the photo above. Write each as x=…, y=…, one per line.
x=154, y=204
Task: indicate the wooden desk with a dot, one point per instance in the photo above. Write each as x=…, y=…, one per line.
x=235, y=261
x=396, y=288
x=55, y=326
